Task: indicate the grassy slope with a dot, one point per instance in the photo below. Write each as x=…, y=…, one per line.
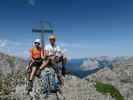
x=107, y=88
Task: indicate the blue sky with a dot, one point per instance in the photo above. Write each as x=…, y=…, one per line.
x=85, y=28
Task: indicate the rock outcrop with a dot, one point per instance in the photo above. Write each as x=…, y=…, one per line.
x=121, y=76
x=75, y=88
x=11, y=64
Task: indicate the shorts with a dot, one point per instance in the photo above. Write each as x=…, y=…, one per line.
x=37, y=63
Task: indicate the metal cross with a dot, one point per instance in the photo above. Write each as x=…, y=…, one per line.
x=45, y=28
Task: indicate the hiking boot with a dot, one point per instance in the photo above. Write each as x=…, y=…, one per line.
x=29, y=86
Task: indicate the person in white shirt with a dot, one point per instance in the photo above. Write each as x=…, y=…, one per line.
x=57, y=54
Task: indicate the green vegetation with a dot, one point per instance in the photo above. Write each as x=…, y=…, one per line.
x=108, y=89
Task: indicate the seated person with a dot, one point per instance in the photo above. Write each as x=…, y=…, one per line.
x=36, y=60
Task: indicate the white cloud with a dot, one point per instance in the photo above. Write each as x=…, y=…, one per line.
x=14, y=47
x=74, y=45
x=3, y=43
x=89, y=65
x=22, y=48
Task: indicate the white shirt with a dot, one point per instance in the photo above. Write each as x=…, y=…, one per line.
x=54, y=50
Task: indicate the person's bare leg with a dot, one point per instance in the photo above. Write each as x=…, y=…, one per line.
x=61, y=80
x=30, y=81
x=57, y=96
x=32, y=73
x=44, y=64
x=29, y=69
x=28, y=76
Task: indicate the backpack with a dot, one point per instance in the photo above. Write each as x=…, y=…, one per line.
x=50, y=81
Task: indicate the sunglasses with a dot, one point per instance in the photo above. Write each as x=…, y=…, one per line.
x=37, y=43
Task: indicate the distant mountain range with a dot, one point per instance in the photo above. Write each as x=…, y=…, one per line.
x=79, y=67
x=85, y=66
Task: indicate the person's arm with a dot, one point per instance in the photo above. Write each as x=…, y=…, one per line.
x=42, y=53
x=64, y=56
x=45, y=58
x=45, y=63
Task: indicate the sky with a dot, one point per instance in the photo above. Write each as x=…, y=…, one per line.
x=85, y=28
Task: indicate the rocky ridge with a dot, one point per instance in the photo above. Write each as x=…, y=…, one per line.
x=120, y=76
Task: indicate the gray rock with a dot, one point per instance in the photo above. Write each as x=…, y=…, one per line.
x=121, y=76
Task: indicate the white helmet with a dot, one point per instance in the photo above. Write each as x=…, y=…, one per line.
x=37, y=41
